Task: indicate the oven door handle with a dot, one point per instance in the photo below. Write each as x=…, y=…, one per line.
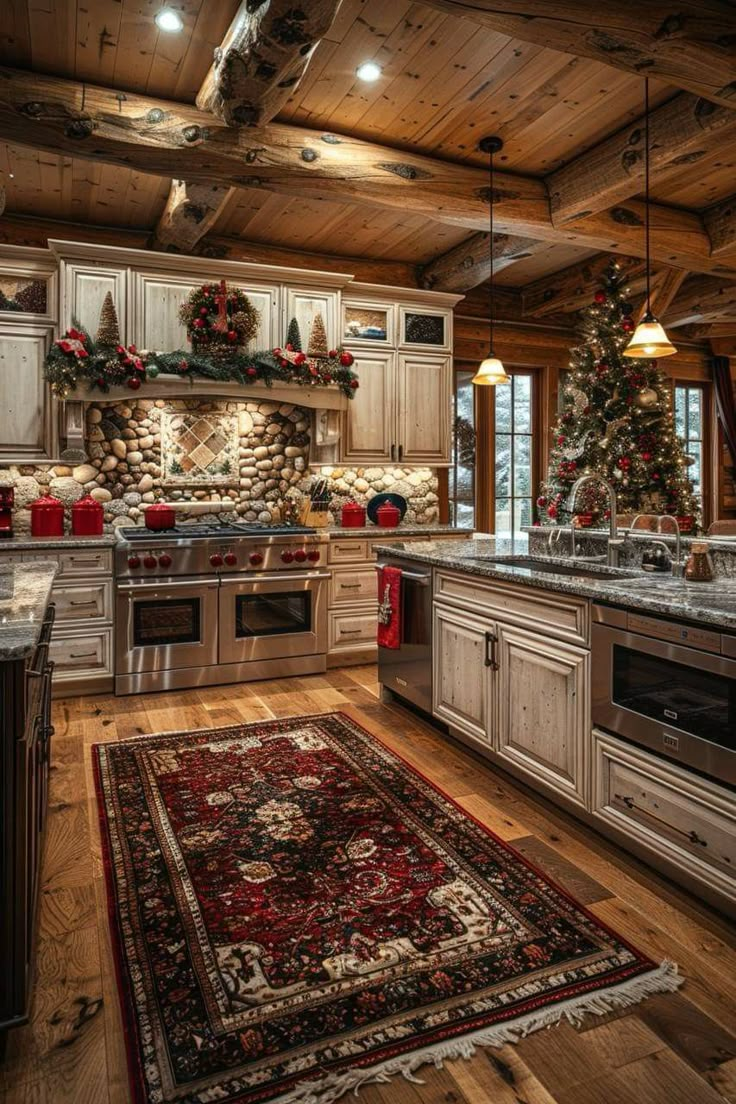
x=277, y=577
x=413, y=576
x=144, y=587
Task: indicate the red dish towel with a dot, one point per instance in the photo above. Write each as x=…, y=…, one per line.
x=389, y=607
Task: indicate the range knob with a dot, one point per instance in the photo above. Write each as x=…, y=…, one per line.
x=255, y=558
x=216, y=559
x=164, y=560
x=231, y=559
x=150, y=561
x=314, y=555
x=287, y=556
x=300, y=555
x=134, y=562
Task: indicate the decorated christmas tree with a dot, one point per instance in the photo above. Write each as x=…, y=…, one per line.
x=108, y=331
x=294, y=337
x=318, y=338
x=617, y=421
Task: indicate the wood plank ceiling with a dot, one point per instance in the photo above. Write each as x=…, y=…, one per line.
x=446, y=82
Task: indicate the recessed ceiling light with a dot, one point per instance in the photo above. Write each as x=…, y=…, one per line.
x=368, y=71
x=169, y=20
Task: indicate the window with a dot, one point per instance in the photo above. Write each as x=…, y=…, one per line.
x=689, y=426
x=462, y=472
x=514, y=421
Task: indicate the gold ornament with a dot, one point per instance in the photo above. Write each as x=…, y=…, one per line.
x=647, y=398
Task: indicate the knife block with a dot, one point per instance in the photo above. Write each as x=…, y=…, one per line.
x=316, y=519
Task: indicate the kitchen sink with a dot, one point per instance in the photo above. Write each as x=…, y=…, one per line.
x=578, y=570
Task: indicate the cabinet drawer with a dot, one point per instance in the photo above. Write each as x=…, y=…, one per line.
x=348, y=551
x=353, y=584
x=686, y=820
x=559, y=615
x=77, y=561
x=81, y=653
x=351, y=628
x=83, y=601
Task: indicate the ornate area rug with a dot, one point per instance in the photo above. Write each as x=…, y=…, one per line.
x=296, y=911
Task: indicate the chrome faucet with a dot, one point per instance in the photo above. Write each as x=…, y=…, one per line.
x=614, y=543
x=678, y=567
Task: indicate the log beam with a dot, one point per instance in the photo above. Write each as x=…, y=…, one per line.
x=571, y=288
x=262, y=58
x=680, y=133
x=664, y=288
x=469, y=264
x=689, y=44
x=175, y=140
x=720, y=223
x=191, y=211
x=703, y=299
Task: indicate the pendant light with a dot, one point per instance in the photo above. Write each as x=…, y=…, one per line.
x=649, y=338
x=491, y=371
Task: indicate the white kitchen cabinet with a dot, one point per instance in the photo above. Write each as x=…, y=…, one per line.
x=370, y=432
x=84, y=285
x=544, y=709
x=27, y=407
x=462, y=676
x=304, y=304
x=423, y=409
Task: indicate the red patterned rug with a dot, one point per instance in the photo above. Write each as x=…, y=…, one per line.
x=296, y=911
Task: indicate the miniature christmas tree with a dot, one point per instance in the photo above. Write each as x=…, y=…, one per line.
x=318, y=338
x=108, y=331
x=293, y=336
x=616, y=421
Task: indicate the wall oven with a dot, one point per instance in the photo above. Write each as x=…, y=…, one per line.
x=668, y=687
x=266, y=617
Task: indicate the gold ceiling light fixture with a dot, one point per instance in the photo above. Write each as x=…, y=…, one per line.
x=491, y=371
x=649, y=338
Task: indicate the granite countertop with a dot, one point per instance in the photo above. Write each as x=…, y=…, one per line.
x=25, y=590
x=28, y=543
x=703, y=603
x=396, y=531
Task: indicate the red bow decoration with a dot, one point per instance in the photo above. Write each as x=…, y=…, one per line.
x=74, y=343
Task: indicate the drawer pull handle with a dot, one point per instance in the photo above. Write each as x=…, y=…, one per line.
x=628, y=801
x=490, y=659
x=350, y=632
x=85, y=563
x=695, y=838
x=350, y=586
x=82, y=602
x=82, y=655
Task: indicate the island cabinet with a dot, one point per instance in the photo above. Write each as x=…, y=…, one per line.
x=512, y=675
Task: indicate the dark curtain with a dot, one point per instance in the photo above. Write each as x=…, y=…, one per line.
x=725, y=404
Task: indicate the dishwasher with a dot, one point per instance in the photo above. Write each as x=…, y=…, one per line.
x=406, y=671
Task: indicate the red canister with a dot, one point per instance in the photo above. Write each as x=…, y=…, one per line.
x=47, y=517
x=352, y=516
x=87, y=516
x=388, y=515
x=159, y=516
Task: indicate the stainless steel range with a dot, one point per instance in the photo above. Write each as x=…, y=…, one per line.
x=205, y=604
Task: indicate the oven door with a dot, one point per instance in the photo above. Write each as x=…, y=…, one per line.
x=677, y=701
x=164, y=626
x=273, y=616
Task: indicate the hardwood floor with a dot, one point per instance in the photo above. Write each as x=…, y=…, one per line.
x=671, y=1049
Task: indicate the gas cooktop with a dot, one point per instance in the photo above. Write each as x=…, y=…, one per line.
x=229, y=530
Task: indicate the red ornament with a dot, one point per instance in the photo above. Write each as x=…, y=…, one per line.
x=600, y=297
x=314, y=370
x=354, y=384
x=183, y=366
x=119, y=349
x=134, y=383
x=251, y=372
x=346, y=359
x=332, y=353
x=552, y=511
x=300, y=358
x=277, y=352
x=327, y=377
x=627, y=325
x=231, y=335
x=655, y=475
x=289, y=347
x=646, y=456
x=541, y=501
x=560, y=440
x=284, y=363
x=102, y=382
x=203, y=310
x=198, y=324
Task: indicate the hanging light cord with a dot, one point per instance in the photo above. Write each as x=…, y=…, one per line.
x=646, y=187
x=490, y=250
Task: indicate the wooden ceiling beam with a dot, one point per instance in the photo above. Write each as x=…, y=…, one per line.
x=262, y=58
x=571, y=288
x=680, y=132
x=720, y=223
x=191, y=211
x=702, y=299
x=469, y=264
x=688, y=44
x=175, y=140
x=710, y=330
x=664, y=286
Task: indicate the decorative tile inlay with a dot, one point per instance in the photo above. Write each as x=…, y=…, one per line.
x=199, y=448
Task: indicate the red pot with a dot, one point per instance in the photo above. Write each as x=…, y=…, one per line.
x=388, y=516
x=87, y=517
x=352, y=516
x=47, y=517
x=159, y=516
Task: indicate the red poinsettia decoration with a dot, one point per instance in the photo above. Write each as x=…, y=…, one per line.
x=74, y=343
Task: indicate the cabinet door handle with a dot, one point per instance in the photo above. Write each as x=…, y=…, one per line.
x=491, y=660
x=401, y=452
x=393, y=452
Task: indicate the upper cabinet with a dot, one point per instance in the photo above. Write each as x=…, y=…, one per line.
x=84, y=285
x=306, y=305
x=423, y=408
x=27, y=422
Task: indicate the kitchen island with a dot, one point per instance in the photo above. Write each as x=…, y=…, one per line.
x=523, y=668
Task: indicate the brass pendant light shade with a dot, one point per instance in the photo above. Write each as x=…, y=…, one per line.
x=491, y=371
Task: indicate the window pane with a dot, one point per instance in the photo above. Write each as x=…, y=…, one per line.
x=694, y=413
x=522, y=404
x=522, y=513
x=680, y=408
x=462, y=473
x=522, y=465
x=503, y=396
x=464, y=514
x=503, y=464
x=503, y=515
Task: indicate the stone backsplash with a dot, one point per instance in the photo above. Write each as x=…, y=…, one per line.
x=252, y=453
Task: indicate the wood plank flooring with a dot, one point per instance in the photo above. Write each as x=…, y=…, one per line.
x=672, y=1049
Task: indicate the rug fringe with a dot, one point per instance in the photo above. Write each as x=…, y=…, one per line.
x=326, y=1090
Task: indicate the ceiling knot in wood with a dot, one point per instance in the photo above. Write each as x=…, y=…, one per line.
x=624, y=216
x=406, y=172
x=308, y=154
x=194, y=134
x=331, y=139
x=155, y=115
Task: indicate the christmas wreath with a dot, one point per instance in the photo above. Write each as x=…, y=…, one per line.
x=219, y=319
